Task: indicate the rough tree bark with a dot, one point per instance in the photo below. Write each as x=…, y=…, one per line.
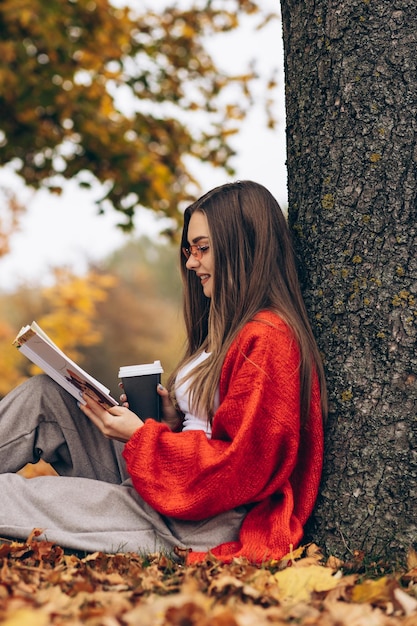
x=351, y=98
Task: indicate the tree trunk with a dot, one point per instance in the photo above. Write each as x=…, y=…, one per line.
x=351, y=98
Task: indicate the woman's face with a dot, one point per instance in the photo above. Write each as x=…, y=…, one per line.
x=199, y=245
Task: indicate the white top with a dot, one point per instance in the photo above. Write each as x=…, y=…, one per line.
x=192, y=422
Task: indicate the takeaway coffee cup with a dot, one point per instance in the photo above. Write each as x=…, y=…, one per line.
x=139, y=383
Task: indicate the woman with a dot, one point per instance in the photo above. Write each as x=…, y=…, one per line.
x=235, y=467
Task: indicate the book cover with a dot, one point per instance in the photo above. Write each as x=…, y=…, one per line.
x=35, y=344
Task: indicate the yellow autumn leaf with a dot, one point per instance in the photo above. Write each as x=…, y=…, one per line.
x=27, y=16
x=288, y=558
x=26, y=617
x=296, y=584
x=411, y=558
x=374, y=590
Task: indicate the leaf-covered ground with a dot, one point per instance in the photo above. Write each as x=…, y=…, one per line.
x=40, y=584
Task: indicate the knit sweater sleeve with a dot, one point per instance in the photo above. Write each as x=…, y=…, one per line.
x=255, y=438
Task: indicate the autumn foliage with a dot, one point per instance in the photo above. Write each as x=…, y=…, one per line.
x=12, y=211
x=40, y=584
x=67, y=310
x=118, y=96
x=126, y=311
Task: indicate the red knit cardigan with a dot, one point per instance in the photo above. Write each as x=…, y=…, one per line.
x=256, y=455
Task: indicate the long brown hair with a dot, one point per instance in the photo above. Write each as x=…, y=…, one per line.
x=254, y=270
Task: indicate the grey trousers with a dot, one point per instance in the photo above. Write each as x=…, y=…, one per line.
x=92, y=504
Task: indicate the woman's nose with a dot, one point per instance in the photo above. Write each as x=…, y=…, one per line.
x=192, y=262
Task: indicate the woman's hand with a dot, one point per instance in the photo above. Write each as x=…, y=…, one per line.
x=118, y=422
x=171, y=417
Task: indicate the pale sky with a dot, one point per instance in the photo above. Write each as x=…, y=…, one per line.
x=66, y=230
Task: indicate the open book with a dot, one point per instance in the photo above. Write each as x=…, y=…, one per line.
x=35, y=344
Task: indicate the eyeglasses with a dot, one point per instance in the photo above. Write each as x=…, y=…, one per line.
x=196, y=250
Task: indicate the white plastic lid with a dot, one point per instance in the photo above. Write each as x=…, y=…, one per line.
x=140, y=370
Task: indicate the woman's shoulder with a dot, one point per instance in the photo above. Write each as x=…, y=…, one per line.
x=271, y=317
x=267, y=319
x=267, y=325
x=266, y=341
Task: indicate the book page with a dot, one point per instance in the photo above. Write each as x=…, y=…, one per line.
x=38, y=348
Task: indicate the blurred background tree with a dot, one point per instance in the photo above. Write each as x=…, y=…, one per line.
x=141, y=321
x=125, y=312
x=66, y=310
x=119, y=96
x=12, y=211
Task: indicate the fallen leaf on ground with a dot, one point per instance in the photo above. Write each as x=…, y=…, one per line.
x=41, y=585
x=296, y=584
